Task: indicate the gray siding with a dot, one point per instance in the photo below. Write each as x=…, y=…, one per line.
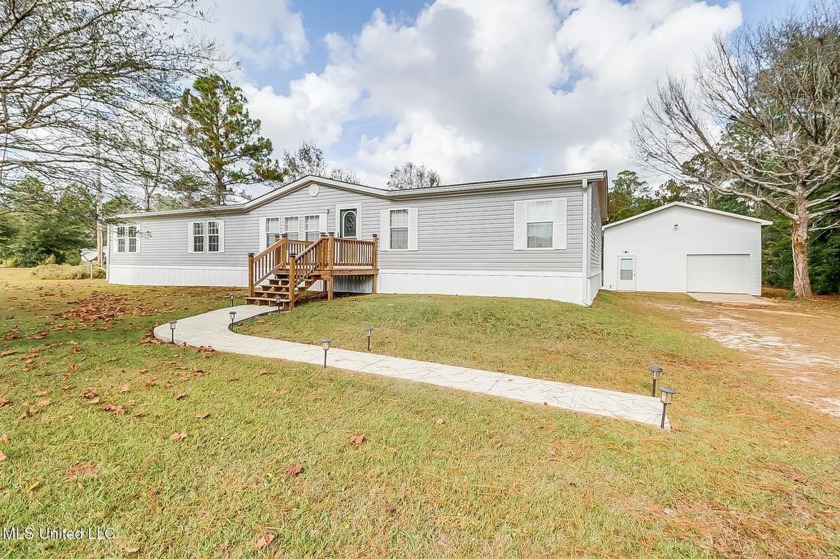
x=455, y=232
x=596, y=236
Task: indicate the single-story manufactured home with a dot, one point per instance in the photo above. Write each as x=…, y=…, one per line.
x=537, y=237
x=683, y=248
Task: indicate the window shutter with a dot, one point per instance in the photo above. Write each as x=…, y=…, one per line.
x=560, y=227
x=137, y=238
x=262, y=236
x=359, y=222
x=323, y=226
x=412, y=228
x=385, y=230
x=222, y=235
x=520, y=228
x=190, y=245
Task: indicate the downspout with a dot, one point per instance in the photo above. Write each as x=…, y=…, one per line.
x=587, y=239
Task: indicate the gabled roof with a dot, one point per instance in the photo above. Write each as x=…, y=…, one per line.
x=762, y=222
x=429, y=192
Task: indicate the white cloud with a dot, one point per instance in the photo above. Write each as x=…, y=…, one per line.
x=482, y=90
x=261, y=32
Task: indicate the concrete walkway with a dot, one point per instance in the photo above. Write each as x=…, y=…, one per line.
x=212, y=329
x=734, y=298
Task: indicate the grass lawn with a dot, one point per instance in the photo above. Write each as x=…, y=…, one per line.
x=89, y=408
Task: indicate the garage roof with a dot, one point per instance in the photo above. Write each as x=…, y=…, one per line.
x=762, y=222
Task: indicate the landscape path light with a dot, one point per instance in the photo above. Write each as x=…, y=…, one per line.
x=278, y=300
x=232, y=297
x=369, y=331
x=655, y=371
x=666, y=395
x=325, y=343
x=232, y=317
x=172, y=324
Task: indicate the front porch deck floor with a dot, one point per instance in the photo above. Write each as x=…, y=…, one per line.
x=212, y=329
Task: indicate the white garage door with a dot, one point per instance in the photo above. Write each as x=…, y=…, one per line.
x=718, y=273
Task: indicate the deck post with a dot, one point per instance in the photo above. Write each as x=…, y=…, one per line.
x=292, y=281
x=250, y=274
x=373, y=264
x=331, y=251
x=284, y=250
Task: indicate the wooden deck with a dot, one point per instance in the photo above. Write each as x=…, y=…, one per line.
x=283, y=272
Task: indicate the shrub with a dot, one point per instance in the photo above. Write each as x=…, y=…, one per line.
x=64, y=272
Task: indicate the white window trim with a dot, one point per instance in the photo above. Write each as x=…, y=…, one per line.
x=125, y=238
x=385, y=230
x=559, y=222
x=206, y=236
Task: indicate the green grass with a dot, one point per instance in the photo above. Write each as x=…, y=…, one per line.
x=748, y=476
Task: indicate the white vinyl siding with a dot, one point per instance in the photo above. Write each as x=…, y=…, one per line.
x=206, y=236
x=540, y=224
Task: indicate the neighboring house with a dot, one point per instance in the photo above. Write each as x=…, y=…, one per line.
x=683, y=248
x=536, y=237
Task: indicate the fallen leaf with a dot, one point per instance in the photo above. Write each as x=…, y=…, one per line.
x=24, y=415
x=132, y=549
x=113, y=408
x=124, y=388
x=358, y=440
x=73, y=367
x=390, y=510
x=7, y=352
x=263, y=372
x=2, y=456
x=95, y=401
x=440, y=421
x=293, y=470
x=159, y=414
x=65, y=377
x=669, y=512
x=180, y=396
x=43, y=403
x=82, y=469
x=264, y=541
x=110, y=359
x=4, y=401
x=89, y=394
x=42, y=393
x=177, y=436
x=168, y=384
x=4, y=439
x=202, y=415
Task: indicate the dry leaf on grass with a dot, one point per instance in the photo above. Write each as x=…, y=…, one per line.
x=264, y=540
x=440, y=421
x=202, y=415
x=132, y=549
x=113, y=408
x=89, y=394
x=7, y=352
x=42, y=393
x=177, y=436
x=181, y=396
x=358, y=440
x=4, y=439
x=73, y=367
x=263, y=372
x=124, y=388
x=293, y=470
x=94, y=401
x=43, y=403
x=82, y=469
x=2, y=456
x=4, y=401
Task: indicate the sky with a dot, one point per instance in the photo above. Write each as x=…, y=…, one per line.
x=474, y=89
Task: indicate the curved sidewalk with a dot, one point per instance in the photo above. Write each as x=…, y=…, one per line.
x=212, y=329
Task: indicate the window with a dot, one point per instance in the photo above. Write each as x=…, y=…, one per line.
x=206, y=236
x=312, y=225
x=540, y=223
x=127, y=238
x=291, y=228
x=399, y=229
x=198, y=237
x=214, y=237
x=272, y=229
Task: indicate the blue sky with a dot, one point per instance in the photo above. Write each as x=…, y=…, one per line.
x=476, y=89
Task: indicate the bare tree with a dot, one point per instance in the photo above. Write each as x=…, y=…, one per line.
x=760, y=121
x=68, y=68
x=411, y=175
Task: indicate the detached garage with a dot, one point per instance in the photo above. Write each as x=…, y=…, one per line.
x=683, y=248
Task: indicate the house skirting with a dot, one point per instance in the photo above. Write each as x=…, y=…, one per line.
x=179, y=275
x=557, y=286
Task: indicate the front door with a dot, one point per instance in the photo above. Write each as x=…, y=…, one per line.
x=348, y=226
x=626, y=273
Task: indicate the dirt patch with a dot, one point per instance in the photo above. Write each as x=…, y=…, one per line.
x=799, y=348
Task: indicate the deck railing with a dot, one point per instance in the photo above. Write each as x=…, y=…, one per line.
x=302, y=259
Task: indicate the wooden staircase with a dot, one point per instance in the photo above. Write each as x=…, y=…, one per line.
x=281, y=274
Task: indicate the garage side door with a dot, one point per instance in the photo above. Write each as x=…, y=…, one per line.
x=718, y=273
